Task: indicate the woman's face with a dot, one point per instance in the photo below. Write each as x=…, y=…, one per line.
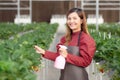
x=74, y=22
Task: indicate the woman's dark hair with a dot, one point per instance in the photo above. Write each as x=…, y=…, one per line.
x=77, y=10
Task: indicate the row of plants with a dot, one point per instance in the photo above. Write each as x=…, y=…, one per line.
x=113, y=28
x=10, y=29
x=18, y=59
x=18, y=56
x=108, y=50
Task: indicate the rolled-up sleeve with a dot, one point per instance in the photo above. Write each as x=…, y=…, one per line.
x=52, y=55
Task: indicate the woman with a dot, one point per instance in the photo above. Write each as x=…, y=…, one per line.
x=80, y=47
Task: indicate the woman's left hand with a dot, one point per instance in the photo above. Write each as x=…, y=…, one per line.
x=63, y=52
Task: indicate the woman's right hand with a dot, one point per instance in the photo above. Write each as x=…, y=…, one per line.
x=39, y=49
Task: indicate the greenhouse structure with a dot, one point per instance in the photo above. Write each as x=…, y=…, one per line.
x=26, y=23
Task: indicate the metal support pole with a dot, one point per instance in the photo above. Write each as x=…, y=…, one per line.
x=75, y=3
x=30, y=4
x=82, y=4
x=97, y=14
x=18, y=10
x=119, y=11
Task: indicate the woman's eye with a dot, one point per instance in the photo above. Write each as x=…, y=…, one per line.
x=74, y=18
x=69, y=19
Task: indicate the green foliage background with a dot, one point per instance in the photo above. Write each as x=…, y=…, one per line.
x=17, y=54
x=108, y=48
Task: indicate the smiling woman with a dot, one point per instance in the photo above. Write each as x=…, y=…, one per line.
x=80, y=47
x=74, y=22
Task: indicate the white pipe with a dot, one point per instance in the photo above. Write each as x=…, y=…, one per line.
x=97, y=14
x=18, y=10
x=30, y=10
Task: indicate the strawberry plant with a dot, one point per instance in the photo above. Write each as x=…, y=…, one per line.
x=18, y=59
x=108, y=51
